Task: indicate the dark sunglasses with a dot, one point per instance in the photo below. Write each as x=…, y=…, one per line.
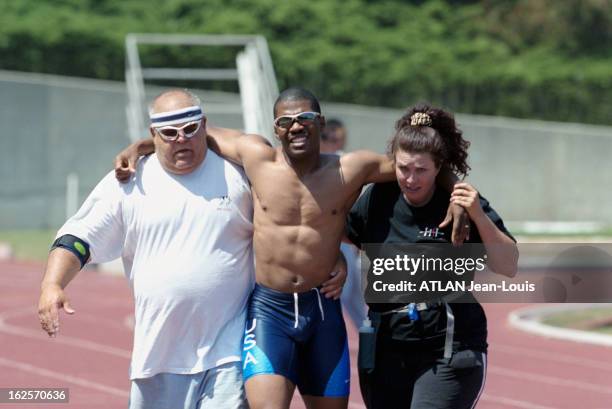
x=303, y=118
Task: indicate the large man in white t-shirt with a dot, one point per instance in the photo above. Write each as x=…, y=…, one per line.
x=183, y=227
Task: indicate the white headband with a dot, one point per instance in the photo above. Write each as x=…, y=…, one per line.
x=192, y=113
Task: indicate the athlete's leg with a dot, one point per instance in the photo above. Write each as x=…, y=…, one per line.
x=269, y=362
x=324, y=360
x=444, y=387
x=269, y=392
x=269, y=355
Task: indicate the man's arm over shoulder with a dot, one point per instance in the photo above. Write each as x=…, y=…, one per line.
x=236, y=146
x=126, y=160
x=365, y=166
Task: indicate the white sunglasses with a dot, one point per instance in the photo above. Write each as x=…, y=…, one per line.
x=171, y=133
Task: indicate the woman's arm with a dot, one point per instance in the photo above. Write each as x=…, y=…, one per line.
x=501, y=250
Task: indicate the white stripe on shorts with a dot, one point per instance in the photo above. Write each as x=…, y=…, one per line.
x=484, y=378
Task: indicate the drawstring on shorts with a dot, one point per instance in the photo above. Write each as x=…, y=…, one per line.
x=320, y=304
x=296, y=309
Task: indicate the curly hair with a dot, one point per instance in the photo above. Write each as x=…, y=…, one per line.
x=441, y=138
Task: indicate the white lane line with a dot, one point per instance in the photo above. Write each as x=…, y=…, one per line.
x=16, y=312
x=65, y=340
x=63, y=377
x=29, y=311
x=128, y=322
x=549, y=356
x=550, y=380
x=60, y=339
x=528, y=319
x=513, y=402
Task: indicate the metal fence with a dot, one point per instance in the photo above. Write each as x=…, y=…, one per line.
x=253, y=70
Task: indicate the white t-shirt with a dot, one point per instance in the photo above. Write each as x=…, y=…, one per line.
x=186, y=245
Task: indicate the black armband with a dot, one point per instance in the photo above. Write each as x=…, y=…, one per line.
x=74, y=245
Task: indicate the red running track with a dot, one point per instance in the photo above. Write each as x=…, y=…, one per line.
x=91, y=354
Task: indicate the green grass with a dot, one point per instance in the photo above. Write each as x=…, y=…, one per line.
x=570, y=319
x=29, y=244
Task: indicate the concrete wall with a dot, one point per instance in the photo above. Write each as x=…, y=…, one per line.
x=51, y=126
x=529, y=170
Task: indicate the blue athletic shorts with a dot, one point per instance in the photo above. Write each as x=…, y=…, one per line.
x=300, y=336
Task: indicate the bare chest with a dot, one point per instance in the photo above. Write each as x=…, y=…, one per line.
x=287, y=200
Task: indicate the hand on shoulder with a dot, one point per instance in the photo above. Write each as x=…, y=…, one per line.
x=466, y=196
